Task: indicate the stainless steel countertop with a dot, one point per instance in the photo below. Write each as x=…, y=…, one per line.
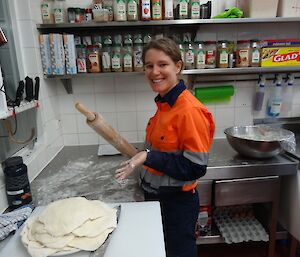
x=78, y=171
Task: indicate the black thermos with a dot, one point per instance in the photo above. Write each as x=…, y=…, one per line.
x=16, y=182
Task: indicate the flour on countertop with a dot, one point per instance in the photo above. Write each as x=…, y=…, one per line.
x=90, y=176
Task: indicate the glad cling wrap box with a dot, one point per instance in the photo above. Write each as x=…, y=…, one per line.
x=280, y=56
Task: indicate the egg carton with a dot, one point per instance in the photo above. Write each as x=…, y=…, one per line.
x=237, y=229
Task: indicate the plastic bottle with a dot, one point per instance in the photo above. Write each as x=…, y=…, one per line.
x=287, y=98
x=260, y=94
x=275, y=100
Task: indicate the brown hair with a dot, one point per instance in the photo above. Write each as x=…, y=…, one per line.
x=167, y=45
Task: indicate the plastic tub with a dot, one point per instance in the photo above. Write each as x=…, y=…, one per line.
x=100, y=15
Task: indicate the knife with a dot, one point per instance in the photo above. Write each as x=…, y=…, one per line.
x=37, y=90
x=19, y=93
x=29, y=89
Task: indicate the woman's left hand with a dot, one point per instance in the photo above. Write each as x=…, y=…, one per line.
x=129, y=166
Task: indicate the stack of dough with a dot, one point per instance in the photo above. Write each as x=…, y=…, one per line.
x=67, y=226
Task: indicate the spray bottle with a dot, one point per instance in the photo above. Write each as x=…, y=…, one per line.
x=287, y=98
x=275, y=100
x=260, y=93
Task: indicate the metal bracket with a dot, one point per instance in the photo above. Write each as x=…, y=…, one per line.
x=68, y=85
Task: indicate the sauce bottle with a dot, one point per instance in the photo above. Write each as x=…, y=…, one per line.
x=156, y=9
x=145, y=10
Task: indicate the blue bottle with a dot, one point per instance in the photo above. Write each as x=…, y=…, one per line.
x=275, y=100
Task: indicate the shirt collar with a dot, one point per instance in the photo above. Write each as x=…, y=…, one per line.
x=172, y=95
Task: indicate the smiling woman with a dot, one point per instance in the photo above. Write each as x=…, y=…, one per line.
x=178, y=139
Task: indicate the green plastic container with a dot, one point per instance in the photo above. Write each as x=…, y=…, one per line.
x=214, y=94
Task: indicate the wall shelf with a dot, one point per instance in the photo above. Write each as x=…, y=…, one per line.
x=247, y=73
x=119, y=24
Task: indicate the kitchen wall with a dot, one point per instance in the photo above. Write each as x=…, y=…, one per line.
x=124, y=100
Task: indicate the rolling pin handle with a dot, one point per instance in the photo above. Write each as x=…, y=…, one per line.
x=81, y=108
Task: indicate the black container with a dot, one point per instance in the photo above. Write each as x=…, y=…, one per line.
x=16, y=182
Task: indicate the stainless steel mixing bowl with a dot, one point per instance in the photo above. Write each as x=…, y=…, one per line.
x=255, y=141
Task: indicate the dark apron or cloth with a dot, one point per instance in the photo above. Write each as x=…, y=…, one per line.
x=179, y=215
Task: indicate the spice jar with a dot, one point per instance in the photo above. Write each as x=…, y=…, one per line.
x=255, y=54
x=106, y=54
x=137, y=53
x=47, y=11
x=222, y=60
x=81, y=59
x=71, y=15
x=127, y=53
x=210, y=56
x=88, y=15
x=200, y=55
x=243, y=53
x=120, y=10
x=116, y=57
x=132, y=10
x=79, y=15
x=93, y=59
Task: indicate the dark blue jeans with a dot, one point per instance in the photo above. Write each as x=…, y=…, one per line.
x=179, y=215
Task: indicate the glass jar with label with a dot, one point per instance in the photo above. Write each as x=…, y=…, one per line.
x=116, y=56
x=183, y=9
x=145, y=10
x=255, y=53
x=243, y=53
x=81, y=59
x=195, y=9
x=132, y=10
x=106, y=54
x=120, y=12
x=210, y=54
x=189, y=56
x=47, y=11
x=200, y=55
x=59, y=11
x=127, y=53
x=156, y=9
x=222, y=59
x=137, y=53
x=93, y=59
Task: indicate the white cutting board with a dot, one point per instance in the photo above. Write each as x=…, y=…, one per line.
x=139, y=233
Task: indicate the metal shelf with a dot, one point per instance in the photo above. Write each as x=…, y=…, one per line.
x=247, y=73
x=165, y=23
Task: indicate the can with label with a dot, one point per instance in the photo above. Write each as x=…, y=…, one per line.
x=16, y=182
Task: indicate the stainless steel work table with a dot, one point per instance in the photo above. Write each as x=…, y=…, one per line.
x=78, y=171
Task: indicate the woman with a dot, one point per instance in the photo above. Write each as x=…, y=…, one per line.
x=178, y=138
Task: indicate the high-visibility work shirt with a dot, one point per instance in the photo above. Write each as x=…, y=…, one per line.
x=179, y=137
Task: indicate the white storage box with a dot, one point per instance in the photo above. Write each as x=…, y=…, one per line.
x=258, y=8
x=288, y=8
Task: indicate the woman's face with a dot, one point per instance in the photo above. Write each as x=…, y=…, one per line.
x=161, y=71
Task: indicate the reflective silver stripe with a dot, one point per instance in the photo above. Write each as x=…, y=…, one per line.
x=198, y=158
x=165, y=180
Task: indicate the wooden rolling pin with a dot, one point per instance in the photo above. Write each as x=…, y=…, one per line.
x=97, y=123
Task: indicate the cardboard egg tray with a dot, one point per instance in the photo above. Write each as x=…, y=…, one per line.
x=238, y=227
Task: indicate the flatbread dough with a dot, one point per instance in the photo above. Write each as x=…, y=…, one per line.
x=71, y=224
x=92, y=228
x=90, y=243
x=63, y=216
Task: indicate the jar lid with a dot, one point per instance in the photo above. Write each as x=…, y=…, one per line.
x=13, y=161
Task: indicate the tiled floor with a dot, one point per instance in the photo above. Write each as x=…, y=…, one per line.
x=239, y=250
